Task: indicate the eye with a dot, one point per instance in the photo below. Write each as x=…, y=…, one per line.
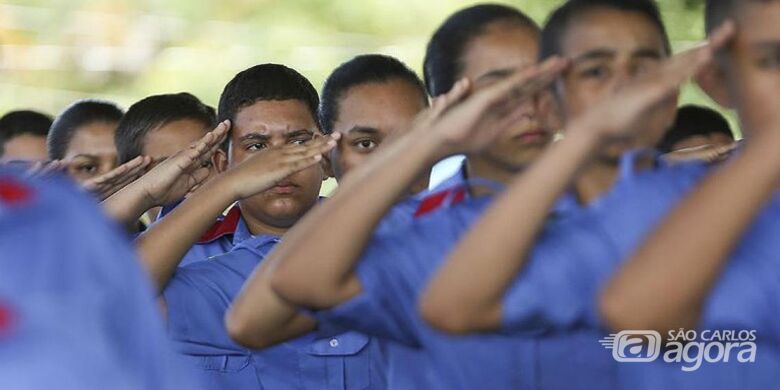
x=770, y=61
x=299, y=141
x=89, y=169
x=257, y=146
x=595, y=72
x=365, y=145
x=207, y=165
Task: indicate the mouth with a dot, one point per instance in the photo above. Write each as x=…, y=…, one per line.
x=533, y=137
x=284, y=188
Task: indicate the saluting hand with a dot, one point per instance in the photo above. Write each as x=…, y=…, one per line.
x=265, y=169
x=621, y=114
x=472, y=123
x=183, y=172
x=107, y=184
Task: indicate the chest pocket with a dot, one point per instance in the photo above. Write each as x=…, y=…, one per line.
x=223, y=371
x=339, y=362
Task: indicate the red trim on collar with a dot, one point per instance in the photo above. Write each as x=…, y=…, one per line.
x=223, y=227
x=438, y=200
x=14, y=192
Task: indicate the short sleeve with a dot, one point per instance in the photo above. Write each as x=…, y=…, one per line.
x=558, y=286
x=382, y=309
x=197, y=298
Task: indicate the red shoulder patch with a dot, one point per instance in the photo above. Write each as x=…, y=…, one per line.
x=439, y=200
x=14, y=192
x=223, y=227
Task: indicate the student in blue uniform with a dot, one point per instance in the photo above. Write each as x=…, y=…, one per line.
x=276, y=135
x=727, y=280
x=370, y=100
x=23, y=136
x=76, y=311
x=157, y=127
x=261, y=207
x=570, y=262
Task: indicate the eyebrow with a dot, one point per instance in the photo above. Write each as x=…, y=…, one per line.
x=254, y=137
x=599, y=54
x=363, y=129
x=298, y=133
x=495, y=74
x=88, y=156
x=646, y=52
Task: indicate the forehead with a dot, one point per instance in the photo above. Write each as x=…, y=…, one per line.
x=615, y=30
x=500, y=46
x=380, y=105
x=273, y=117
x=95, y=138
x=758, y=20
x=172, y=137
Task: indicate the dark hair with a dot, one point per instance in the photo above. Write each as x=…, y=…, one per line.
x=266, y=82
x=561, y=19
x=78, y=114
x=718, y=11
x=443, y=64
x=692, y=121
x=364, y=69
x=23, y=122
x=153, y=112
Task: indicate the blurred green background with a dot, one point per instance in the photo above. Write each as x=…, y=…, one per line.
x=56, y=51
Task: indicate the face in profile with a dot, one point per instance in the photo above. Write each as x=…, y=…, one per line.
x=609, y=48
x=265, y=125
x=370, y=114
x=92, y=151
x=502, y=49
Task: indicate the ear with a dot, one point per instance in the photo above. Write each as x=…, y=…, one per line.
x=220, y=161
x=712, y=80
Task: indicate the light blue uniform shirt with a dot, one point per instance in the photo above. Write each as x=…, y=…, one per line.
x=198, y=297
x=76, y=310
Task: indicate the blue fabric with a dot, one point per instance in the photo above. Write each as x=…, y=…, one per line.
x=558, y=290
x=394, y=268
x=82, y=312
x=198, y=297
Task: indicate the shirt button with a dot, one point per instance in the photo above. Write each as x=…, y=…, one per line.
x=334, y=343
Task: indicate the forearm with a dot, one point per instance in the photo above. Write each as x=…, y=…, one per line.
x=466, y=295
x=315, y=266
x=164, y=245
x=127, y=206
x=258, y=318
x=665, y=284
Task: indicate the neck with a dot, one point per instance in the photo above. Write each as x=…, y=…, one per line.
x=478, y=167
x=257, y=227
x=602, y=175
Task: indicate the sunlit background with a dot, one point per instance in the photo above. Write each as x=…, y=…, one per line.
x=54, y=52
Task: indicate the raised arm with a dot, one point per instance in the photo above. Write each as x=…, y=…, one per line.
x=163, y=246
x=467, y=293
x=317, y=271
